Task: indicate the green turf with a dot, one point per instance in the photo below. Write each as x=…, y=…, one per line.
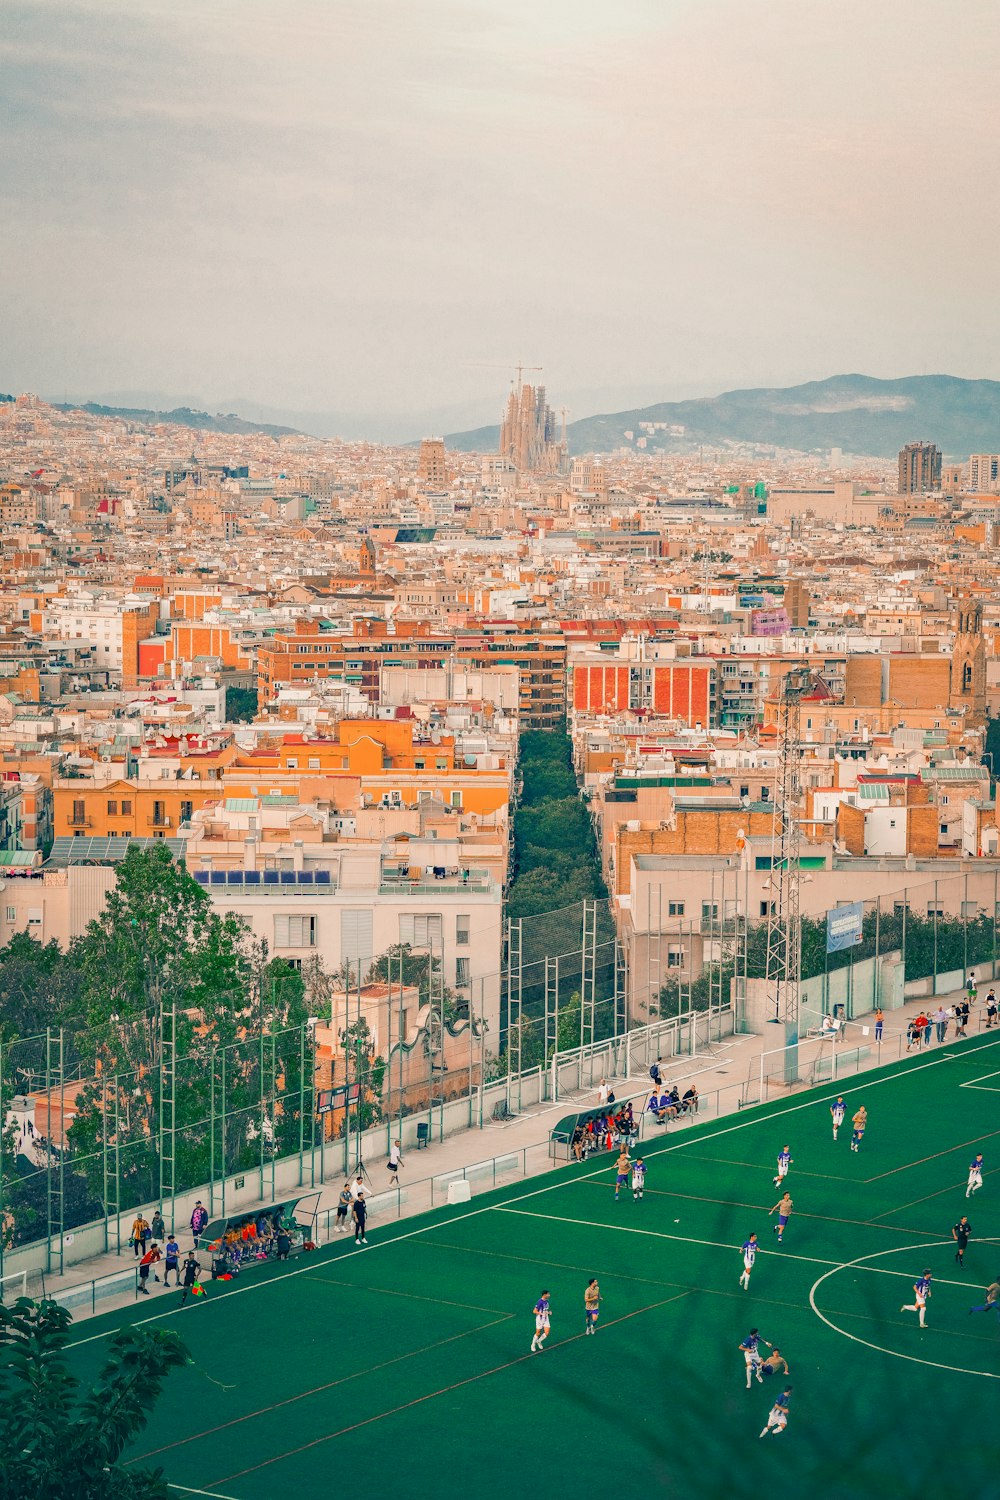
x=406, y=1366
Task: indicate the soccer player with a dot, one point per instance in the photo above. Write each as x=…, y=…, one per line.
x=750, y=1348
x=638, y=1178
x=921, y=1291
x=773, y=1360
x=784, y=1209
x=591, y=1305
x=541, y=1323
x=777, y=1417
x=975, y=1174
x=749, y=1249
x=784, y=1162
x=859, y=1120
x=960, y=1233
x=621, y=1170
x=992, y=1300
x=838, y=1109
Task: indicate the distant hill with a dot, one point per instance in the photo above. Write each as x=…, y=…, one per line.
x=854, y=412
x=181, y=416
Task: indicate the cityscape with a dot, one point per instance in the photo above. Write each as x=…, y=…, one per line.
x=582, y=772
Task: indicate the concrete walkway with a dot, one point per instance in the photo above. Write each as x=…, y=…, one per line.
x=728, y=1076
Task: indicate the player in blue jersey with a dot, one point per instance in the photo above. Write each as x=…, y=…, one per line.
x=975, y=1174
x=838, y=1110
x=777, y=1417
x=921, y=1291
x=750, y=1349
x=638, y=1178
x=541, y=1311
x=784, y=1162
x=749, y=1249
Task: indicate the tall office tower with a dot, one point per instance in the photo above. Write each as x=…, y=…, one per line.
x=432, y=467
x=528, y=434
x=919, y=468
x=984, y=473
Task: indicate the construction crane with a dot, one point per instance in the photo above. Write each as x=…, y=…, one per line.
x=783, y=968
x=475, y=365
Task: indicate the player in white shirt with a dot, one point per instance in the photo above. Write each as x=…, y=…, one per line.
x=784, y=1162
x=749, y=1250
x=541, y=1311
x=838, y=1110
x=638, y=1178
x=975, y=1174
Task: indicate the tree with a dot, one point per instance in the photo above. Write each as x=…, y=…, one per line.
x=38, y=986
x=66, y=1444
x=241, y=705
x=366, y=1070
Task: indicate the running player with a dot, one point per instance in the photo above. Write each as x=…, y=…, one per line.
x=621, y=1171
x=750, y=1348
x=838, y=1109
x=638, y=1177
x=749, y=1248
x=541, y=1323
x=777, y=1417
x=784, y=1162
x=771, y=1363
x=975, y=1174
x=859, y=1120
x=591, y=1305
x=921, y=1291
x=784, y=1208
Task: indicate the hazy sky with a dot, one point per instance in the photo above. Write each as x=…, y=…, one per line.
x=353, y=208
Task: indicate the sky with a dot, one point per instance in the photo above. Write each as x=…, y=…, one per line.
x=365, y=214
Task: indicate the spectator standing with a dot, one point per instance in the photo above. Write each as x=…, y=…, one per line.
x=395, y=1161
x=149, y=1259
x=360, y=1212
x=941, y=1020
x=139, y=1228
x=171, y=1261
x=655, y=1074
x=343, y=1204
x=602, y=1093
x=157, y=1228
x=928, y=1027
x=199, y=1218
x=879, y=1022
x=991, y=1009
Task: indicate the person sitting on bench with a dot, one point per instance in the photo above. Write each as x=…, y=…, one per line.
x=690, y=1100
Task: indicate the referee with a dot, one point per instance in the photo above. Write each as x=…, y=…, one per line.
x=360, y=1212
x=960, y=1233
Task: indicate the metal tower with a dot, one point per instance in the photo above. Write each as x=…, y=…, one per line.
x=783, y=967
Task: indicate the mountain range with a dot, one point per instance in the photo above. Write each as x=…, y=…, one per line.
x=856, y=413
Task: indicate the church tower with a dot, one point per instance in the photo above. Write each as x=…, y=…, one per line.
x=366, y=561
x=968, y=661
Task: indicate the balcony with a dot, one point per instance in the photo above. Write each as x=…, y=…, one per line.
x=427, y=882
x=80, y=820
x=163, y=820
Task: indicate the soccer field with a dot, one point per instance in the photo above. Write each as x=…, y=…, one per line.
x=405, y=1367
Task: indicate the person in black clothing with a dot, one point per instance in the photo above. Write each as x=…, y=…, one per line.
x=283, y=1243
x=191, y=1269
x=654, y=1072
x=360, y=1212
x=960, y=1234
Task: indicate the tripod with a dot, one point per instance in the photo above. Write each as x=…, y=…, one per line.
x=361, y=1171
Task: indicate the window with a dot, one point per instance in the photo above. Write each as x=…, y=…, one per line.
x=314, y=763
x=675, y=958
x=79, y=811
x=944, y=799
x=293, y=764
x=420, y=930
x=745, y=791
x=127, y=808
x=462, y=970
x=710, y=911
x=944, y=827
x=765, y=794
x=419, y=765
x=441, y=765
x=12, y=914
x=675, y=908
x=187, y=810
x=462, y=931
x=294, y=932
x=112, y=807
x=934, y=911
x=455, y=799
x=356, y=941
